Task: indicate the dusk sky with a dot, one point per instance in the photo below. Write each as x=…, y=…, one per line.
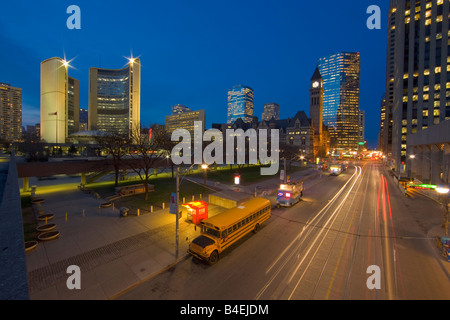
x=193, y=51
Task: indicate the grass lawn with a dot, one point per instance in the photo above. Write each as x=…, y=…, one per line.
x=164, y=187
x=249, y=175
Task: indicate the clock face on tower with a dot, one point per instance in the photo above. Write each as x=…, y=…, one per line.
x=316, y=84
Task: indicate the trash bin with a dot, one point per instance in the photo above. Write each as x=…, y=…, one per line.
x=124, y=212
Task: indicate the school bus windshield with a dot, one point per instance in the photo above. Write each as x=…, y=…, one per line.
x=212, y=232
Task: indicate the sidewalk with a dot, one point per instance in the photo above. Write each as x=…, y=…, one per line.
x=114, y=253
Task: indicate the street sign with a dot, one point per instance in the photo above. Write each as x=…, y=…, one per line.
x=173, y=204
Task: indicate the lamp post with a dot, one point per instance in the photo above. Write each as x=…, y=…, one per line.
x=177, y=206
x=302, y=158
x=205, y=169
x=443, y=191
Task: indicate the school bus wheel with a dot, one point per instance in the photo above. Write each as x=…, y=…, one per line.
x=213, y=258
x=257, y=228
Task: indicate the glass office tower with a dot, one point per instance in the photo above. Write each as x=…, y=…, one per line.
x=114, y=99
x=341, y=94
x=240, y=104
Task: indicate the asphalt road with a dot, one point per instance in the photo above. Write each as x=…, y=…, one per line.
x=353, y=237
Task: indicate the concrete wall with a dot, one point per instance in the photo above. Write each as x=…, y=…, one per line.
x=13, y=271
x=431, y=150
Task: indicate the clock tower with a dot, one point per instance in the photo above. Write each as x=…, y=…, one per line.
x=316, y=110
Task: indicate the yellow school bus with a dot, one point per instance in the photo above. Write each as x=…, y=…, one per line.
x=220, y=232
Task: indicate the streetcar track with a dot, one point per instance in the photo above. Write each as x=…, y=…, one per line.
x=355, y=244
x=342, y=248
x=335, y=215
x=318, y=216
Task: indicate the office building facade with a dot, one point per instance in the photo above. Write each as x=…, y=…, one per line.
x=10, y=113
x=271, y=111
x=114, y=99
x=240, y=104
x=421, y=79
x=59, y=101
x=341, y=97
x=362, y=127
x=387, y=102
x=185, y=120
x=73, y=106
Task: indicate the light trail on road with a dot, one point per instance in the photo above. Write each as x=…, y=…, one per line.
x=304, y=236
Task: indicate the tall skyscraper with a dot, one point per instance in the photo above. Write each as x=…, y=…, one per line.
x=421, y=78
x=362, y=126
x=115, y=99
x=73, y=106
x=385, y=135
x=59, y=101
x=271, y=111
x=240, y=104
x=341, y=95
x=10, y=113
x=388, y=100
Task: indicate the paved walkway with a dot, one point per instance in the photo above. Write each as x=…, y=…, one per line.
x=113, y=252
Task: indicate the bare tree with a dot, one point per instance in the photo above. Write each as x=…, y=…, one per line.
x=149, y=149
x=289, y=152
x=117, y=147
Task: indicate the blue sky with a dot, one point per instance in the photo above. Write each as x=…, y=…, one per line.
x=193, y=51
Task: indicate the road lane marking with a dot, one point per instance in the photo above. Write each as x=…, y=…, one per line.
x=279, y=269
x=333, y=215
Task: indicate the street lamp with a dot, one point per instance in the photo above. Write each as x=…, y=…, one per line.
x=442, y=189
x=205, y=168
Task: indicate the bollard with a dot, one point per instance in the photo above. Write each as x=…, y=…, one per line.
x=151, y=209
x=83, y=212
x=201, y=196
x=164, y=205
x=184, y=199
x=193, y=198
x=138, y=213
x=66, y=216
